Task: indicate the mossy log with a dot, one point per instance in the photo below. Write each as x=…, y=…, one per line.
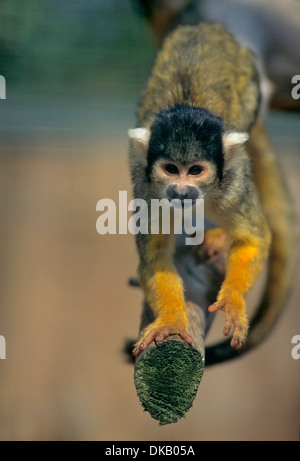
x=167, y=374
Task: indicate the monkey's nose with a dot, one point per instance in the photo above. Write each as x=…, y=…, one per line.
x=186, y=193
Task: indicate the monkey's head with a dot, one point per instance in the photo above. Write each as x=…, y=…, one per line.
x=185, y=151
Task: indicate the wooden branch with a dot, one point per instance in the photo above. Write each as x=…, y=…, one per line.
x=167, y=374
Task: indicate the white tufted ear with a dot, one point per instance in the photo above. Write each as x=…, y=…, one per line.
x=140, y=137
x=231, y=141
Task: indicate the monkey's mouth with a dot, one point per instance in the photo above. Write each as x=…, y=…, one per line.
x=182, y=203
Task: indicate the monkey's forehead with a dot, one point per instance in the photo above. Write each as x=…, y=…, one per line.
x=185, y=154
x=182, y=154
x=185, y=124
x=184, y=134
x=172, y=136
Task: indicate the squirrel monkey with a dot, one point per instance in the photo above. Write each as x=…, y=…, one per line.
x=194, y=122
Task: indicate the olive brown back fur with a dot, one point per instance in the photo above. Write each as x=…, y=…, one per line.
x=223, y=68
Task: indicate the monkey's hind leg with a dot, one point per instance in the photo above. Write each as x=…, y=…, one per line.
x=215, y=242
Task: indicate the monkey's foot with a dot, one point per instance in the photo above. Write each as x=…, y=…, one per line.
x=236, y=318
x=215, y=242
x=158, y=331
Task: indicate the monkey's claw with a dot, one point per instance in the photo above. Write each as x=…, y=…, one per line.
x=236, y=320
x=158, y=331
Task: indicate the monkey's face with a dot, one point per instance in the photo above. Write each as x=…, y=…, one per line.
x=173, y=180
x=185, y=152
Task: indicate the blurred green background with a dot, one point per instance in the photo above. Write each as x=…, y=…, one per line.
x=70, y=64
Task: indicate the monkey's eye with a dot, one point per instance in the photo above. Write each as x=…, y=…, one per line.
x=171, y=169
x=195, y=170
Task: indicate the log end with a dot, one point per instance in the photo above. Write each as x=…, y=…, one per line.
x=167, y=377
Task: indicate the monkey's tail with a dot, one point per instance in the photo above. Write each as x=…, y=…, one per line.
x=162, y=15
x=278, y=209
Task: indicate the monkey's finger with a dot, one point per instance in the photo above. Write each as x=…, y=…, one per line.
x=217, y=306
x=213, y=307
x=186, y=337
x=135, y=351
x=161, y=335
x=238, y=337
x=236, y=343
x=144, y=343
x=138, y=349
x=227, y=328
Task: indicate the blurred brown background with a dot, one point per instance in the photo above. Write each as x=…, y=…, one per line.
x=74, y=73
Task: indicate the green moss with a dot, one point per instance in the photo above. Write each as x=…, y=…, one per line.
x=167, y=378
